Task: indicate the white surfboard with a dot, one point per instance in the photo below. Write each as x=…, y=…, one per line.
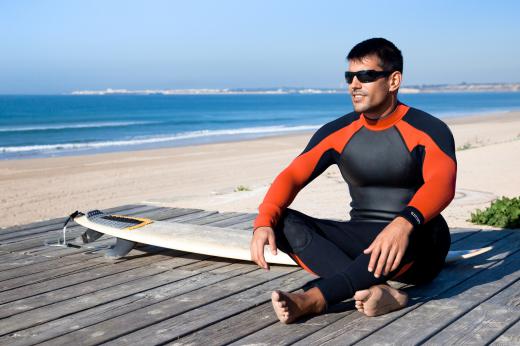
x=200, y=239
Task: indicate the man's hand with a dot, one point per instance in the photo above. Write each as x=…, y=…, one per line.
x=262, y=236
x=388, y=249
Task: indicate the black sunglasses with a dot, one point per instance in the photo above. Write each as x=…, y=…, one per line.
x=366, y=76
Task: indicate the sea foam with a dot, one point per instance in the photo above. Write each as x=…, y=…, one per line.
x=157, y=139
x=73, y=126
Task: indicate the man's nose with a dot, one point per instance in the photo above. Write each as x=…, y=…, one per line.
x=356, y=84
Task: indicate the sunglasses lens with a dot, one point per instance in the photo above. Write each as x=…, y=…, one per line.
x=367, y=76
x=362, y=76
x=349, y=76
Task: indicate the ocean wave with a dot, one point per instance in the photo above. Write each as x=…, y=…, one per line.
x=73, y=126
x=157, y=139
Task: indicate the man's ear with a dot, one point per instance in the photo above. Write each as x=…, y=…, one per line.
x=394, y=81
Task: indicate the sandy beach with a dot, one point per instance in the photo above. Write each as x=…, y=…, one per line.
x=209, y=176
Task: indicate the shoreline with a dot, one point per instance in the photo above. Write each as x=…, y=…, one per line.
x=206, y=176
x=507, y=116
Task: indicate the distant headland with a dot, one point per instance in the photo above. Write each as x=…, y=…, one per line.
x=411, y=89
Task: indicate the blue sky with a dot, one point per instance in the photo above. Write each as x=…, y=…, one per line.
x=61, y=46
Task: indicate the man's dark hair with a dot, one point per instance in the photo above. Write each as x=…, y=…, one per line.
x=390, y=57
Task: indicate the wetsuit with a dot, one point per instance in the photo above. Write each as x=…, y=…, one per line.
x=401, y=165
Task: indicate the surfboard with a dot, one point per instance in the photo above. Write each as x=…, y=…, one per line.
x=200, y=239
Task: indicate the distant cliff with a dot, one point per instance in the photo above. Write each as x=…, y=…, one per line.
x=463, y=87
x=410, y=89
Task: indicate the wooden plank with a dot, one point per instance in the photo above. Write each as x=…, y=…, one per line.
x=48, y=292
x=115, y=303
x=11, y=260
x=198, y=218
x=254, y=320
x=69, y=264
x=32, y=230
x=182, y=329
x=356, y=326
x=278, y=330
x=53, y=285
x=29, y=241
x=137, y=289
x=281, y=334
x=58, y=252
x=486, y=322
x=59, y=220
x=178, y=318
x=231, y=328
x=458, y=234
x=430, y=318
x=480, y=239
x=75, y=231
x=49, y=273
x=247, y=323
x=287, y=334
x=212, y=217
x=173, y=306
x=234, y=220
x=247, y=224
x=178, y=215
x=510, y=337
x=202, y=216
x=198, y=258
x=73, y=227
x=38, y=267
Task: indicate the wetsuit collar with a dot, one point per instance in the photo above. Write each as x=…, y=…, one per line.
x=388, y=121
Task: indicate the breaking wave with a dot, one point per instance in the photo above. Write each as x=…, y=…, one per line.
x=157, y=139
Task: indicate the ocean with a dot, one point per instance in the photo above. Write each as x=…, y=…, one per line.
x=46, y=126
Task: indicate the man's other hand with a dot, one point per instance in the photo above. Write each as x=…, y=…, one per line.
x=387, y=250
x=261, y=237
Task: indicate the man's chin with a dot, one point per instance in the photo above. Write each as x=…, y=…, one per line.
x=358, y=108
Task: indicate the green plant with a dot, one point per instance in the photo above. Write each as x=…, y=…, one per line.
x=503, y=212
x=241, y=188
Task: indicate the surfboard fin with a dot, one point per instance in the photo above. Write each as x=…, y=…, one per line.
x=89, y=236
x=121, y=249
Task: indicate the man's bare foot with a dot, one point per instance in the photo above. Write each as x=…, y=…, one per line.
x=379, y=300
x=291, y=306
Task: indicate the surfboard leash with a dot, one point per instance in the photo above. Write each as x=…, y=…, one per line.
x=64, y=243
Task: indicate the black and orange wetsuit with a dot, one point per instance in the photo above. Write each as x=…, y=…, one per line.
x=401, y=165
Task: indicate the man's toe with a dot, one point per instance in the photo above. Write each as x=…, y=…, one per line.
x=362, y=295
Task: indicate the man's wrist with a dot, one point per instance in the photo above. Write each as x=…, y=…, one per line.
x=412, y=215
x=404, y=224
x=261, y=227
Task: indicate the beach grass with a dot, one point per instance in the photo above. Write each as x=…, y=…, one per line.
x=503, y=212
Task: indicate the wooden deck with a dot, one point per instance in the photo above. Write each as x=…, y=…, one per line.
x=68, y=296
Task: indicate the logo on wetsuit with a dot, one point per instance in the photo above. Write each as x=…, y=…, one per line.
x=416, y=217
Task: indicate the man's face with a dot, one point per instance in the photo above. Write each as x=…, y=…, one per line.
x=372, y=98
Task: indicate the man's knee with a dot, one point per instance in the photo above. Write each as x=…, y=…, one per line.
x=295, y=230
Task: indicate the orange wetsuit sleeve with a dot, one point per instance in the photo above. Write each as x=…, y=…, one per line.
x=439, y=171
x=321, y=152
x=284, y=189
